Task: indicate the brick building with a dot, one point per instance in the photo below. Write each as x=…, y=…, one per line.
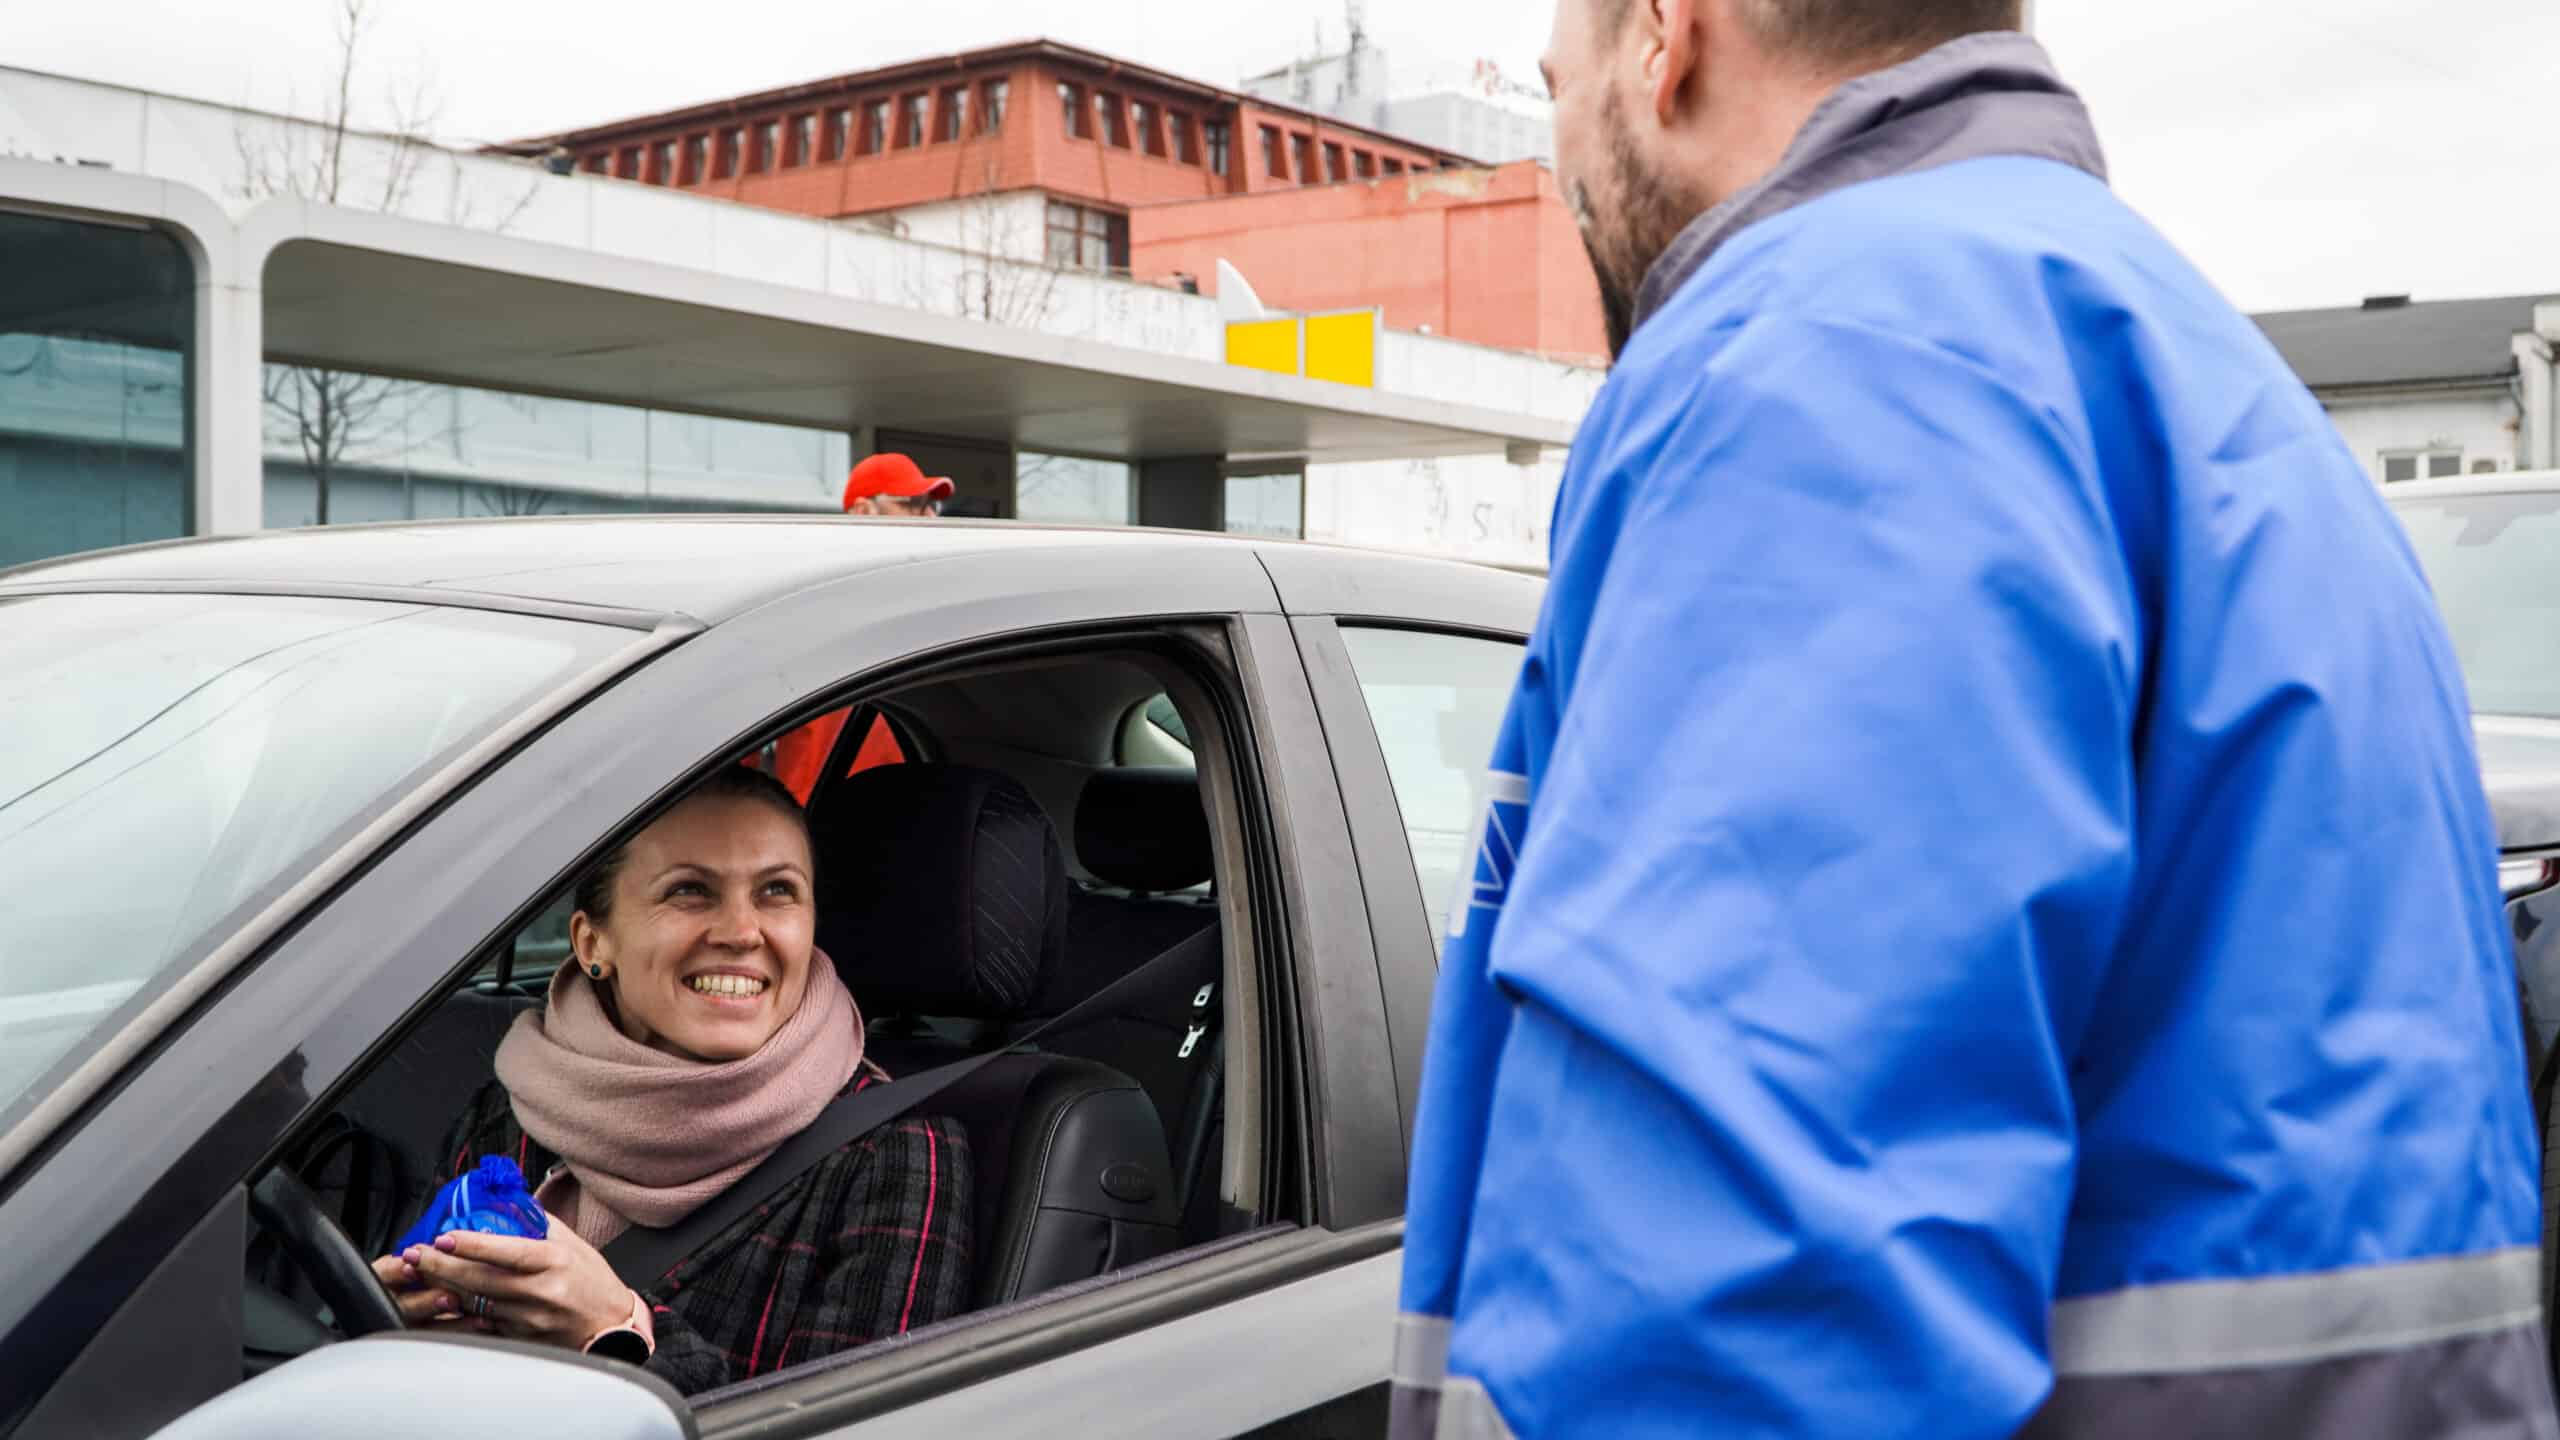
x=1091, y=136
x=1491, y=257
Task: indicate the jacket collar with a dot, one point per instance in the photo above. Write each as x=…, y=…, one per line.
x=1995, y=93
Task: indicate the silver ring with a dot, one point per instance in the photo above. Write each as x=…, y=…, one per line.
x=480, y=1306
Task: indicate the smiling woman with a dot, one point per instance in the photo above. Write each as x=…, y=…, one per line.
x=711, y=952
x=697, y=1028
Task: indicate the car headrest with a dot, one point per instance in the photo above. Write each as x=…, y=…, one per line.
x=941, y=891
x=1143, y=828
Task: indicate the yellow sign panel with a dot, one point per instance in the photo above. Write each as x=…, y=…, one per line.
x=1264, y=345
x=1344, y=348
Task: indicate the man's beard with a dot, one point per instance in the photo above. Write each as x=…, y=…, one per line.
x=1624, y=247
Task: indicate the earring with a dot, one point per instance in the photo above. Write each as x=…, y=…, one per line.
x=595, y=972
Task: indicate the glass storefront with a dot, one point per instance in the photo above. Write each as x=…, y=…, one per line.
x=96, y=321
x=344, y=448
x=1071, y=490
x=1272, y=506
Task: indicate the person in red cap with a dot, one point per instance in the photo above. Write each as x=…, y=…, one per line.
x=892, y=484
x=884, y=484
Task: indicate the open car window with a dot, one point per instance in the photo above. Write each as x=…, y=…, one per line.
x=1021, y=763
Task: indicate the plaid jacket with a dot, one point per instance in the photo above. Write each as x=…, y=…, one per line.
x=874, y=1242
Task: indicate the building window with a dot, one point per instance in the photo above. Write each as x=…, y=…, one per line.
x=600, y=163
x=838, y=137
x=697, y=157
x=1364, y=164
x=991, y=106
x=1272, y=505
x=1114, y=128
x=1186, y=142
x=1071, y=99
x=1272, y=162
x=97, y=326
x=804, y=139
x=1394, y=165
x=1142, y=117
x=948, y=119
x=875, y=127
x=768, y=145
x=626, y=166
x=2399, y=465
x=1086, y=238
x=1332, y=163
x=733, y=144
x=1068, y=489
x=1302, y=158
x=911, y=122
x=1213, y=134
x=662, y=163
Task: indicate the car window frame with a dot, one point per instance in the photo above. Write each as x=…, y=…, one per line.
x=324, y=1010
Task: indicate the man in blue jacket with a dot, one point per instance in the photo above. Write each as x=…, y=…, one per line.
x=1988, y=919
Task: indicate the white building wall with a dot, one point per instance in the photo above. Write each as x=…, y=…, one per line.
x=2481, y=427
x=1464, y=507
x=1013, y=226
x=1474, y=127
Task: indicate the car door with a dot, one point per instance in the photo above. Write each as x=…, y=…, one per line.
x=211, y=1105
x=1411, y=663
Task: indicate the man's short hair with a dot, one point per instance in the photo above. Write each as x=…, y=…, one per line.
x=1845, y=32
x=1840, y=33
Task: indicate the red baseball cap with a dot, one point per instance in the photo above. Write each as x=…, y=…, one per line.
x=890, y=473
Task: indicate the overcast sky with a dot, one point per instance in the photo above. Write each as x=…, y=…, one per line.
x=2303, y=152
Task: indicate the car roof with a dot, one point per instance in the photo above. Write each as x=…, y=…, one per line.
x=2511, y=482
x=620, y=568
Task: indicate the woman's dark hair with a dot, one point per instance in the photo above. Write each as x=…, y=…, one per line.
x=594, y=890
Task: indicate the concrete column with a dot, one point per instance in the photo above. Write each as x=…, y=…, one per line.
x=228, y=439
x=2538, y=427
x=1183, y=493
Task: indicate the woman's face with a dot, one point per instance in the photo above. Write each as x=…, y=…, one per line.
x=707, y=948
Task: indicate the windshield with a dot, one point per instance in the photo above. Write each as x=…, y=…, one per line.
x=2495, y=563
x=170, y=763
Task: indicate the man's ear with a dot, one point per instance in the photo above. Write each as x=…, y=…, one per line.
x=863, y=506
x=1673, y=31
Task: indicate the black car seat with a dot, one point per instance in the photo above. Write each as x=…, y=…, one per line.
x=943, y=902
x=1143, y=835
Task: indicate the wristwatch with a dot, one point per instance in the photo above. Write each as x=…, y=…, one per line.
x=630, y=1341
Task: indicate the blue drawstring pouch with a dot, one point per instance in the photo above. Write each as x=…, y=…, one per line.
x=491, y=1197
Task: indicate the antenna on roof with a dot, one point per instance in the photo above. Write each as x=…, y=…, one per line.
x=1353, y=17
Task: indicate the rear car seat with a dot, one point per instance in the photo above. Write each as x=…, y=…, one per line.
x=942, y=896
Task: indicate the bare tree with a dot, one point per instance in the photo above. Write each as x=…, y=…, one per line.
x=336, y=416
x=510, y=500
x=1002, y=281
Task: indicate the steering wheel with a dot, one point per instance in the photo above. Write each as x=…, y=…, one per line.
x=285, y=1207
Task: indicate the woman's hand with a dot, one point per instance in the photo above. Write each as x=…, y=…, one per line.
x=556, y=1291
x=420, y=1303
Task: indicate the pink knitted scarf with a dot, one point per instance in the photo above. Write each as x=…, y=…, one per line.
x=646, y=1137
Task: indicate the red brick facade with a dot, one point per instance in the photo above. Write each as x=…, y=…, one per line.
x=1487, y=256
x=1069, y=122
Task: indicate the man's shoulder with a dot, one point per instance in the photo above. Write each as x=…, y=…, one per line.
x=1954, y=251
x=2027, y=269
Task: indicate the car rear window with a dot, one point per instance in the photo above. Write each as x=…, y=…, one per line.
x=2494, y=561
x=170, y=764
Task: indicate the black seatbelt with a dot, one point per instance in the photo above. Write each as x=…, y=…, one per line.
x=640, y=1255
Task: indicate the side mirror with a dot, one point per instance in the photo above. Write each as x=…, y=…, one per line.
x=416, y=1386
